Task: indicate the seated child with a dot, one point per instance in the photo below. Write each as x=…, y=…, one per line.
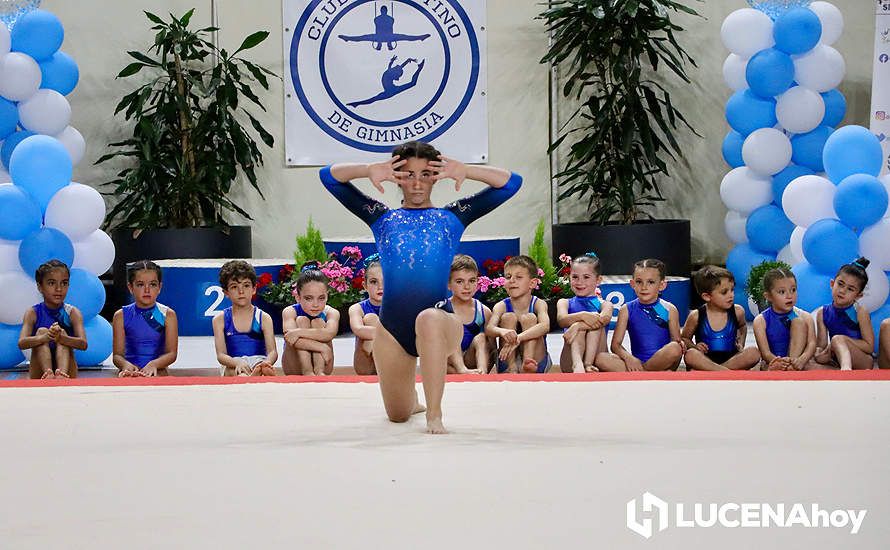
x=243, y=333
x=52, y=329
x=884, y=345
x=475, y=347
x=718, y=328
x=785, y=334
x=585, y=319
x=844, y=335
x=146, y=332
x=309, y=326
x=364, y=317
x=653, y=323
x=520, y=321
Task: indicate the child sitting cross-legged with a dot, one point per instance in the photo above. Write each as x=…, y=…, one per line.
x=475, y=347
x=844, y=335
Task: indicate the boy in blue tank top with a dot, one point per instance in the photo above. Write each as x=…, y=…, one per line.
x=243, y=334
x=146, y=334
x=475, y=347
x=714, y=334
x=785, y=334
x=364, y=317
x=52, y=329
x=844, y=335
x=653, y=323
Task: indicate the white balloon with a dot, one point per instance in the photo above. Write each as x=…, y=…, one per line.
x=744, y=191
x=821, y=69
x=735, y=227
x=19, y=293
x=800, y=110
x=4, y=40
x=73, y=142
x=734, y=72
x=874, y=244
x=9, y=255
x=46, y=112
x=766, y=151
x=884, y=179
x=808, y=199
x=786, y=255
x=94, y=253
x=4, y=175
x=877, y=289
x=832, y=21
x=19, y=76
x=747, y=31
x=76, y=210
x=796, y=244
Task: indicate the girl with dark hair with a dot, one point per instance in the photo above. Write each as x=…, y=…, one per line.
x=844, y=333
x=309, y=326
x=784, y=333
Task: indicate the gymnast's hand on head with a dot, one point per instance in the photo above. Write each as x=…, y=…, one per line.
x=448, y=168
x=387, y=170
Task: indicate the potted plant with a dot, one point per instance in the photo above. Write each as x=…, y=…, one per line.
x=622, y=135
x=754, y=284
x=190, y=145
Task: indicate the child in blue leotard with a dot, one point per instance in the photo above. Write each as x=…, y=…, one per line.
x=785, y=334
x=714, y=334
x=146, y=332
x=52, y=329
x=653, y=323
x=309, y=326
x=844, y=335
x=475, y=346
x=585, y=318
x=520, y=321
x=243, y=334
x=364, y=317
x=884, y=345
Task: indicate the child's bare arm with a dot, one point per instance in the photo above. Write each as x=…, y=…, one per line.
x=79, y=339
x=760, y=337
x=741, y=322
x=357, y=323
x=171, y=342
x=219, y=342
x=26, y=341
x=269, y=339
x=326, y=334
x=689, y=327
x=541, y=328
x=565, y=319
x=119, y=344
x=867, y=342
x=674, y=324
x=491, y=328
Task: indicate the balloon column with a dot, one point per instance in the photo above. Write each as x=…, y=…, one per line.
x=785, y=105
x=45, y=214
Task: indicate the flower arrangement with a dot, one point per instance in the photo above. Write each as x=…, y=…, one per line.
x=345, y=273
x=548, y=285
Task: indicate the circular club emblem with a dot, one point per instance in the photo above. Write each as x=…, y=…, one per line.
x=373, y=74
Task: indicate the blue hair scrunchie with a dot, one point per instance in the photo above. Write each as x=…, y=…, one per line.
x=591, y=255
x=312, y=266
x=375, y=257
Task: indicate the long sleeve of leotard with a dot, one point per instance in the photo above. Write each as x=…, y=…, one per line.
x=363, y=206
x=475, y=206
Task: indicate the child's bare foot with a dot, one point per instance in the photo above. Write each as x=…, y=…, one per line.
x=590, y=368
x=435, y=426
x=268, y=370
x=578, y=367
x=529, y=365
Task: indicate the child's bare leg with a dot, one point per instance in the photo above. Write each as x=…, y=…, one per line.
x=41, y=360
x=535, y=350
x=509, y=322
x=290, y=362
x=667, y=358
x=798, y=338
x=744, y=360
x=437, y=334
x=66, y=367
x=609, y=362
x=565, y=357
x=362, y=360
x=696, y=360
x=591, y=349
x=320, y=361
x=304, y=358
x=479, y=354
x=848, y=355
x=328, y=366
x=884, y=345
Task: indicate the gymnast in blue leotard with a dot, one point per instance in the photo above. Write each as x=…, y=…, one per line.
x=844, y=336
x=364, y=317
x=652, y=323
x=146, y=332
x=785, y=334
x=309, y=326
x=475, y=346
x=416, y=243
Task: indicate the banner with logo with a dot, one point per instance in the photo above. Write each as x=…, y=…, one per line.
x=365, y=75
x=880, y=86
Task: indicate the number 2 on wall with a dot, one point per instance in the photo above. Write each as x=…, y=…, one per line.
x=220, y=296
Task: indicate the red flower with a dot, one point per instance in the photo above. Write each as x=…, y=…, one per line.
x=566, y=270
x=358, y=283
x=556, y=290
x=264, y=279
x=285, y=272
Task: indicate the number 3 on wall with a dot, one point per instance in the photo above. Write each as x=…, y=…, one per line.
x=220, y=296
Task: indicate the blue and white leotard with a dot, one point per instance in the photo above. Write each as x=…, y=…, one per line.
x=577, y=304
x=416, y=246
x=47, y=316
x=369, y=308
x=647, y=325
x=145, y=334
x=778, y=330
x=841, y=321
x=244, y=344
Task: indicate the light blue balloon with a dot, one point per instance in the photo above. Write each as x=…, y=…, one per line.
x=828, y=244
x=10, y=354
x=775, y=8
x=835, y=108
x=732, y=149
x=742, y=258
x=9, y=117
x=860, y=201
x=770, y=72
x=786, y=176
x=99, y=338
x=86, y=293
x=59, y=73
x=746, y=112
x=813, y=286
x=806, y=149
x=21, y=215
x=852, y=150
x=11, y=142
x=877, y=316
x=41, y=166
x=38, y=33
x=42, y=246
x=768, y=228
x=797, y=31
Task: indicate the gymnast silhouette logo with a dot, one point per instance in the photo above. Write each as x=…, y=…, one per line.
x=384, y=33
x=393, y=73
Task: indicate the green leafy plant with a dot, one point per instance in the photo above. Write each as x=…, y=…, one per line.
x=754, y=284
x=626, y=121
x=310, y=246
x=189, y=142
x=540, y=253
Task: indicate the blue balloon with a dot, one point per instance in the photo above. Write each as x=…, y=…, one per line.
x=813, y=286
x=797, y=31
x=38, y=33
x=21, y=215
x=9, y=117
x=742, y=258
x=41, y=166
x=877, y=316
x=741, y=298
x=770, y=72
x=828, y=244
x=768, y=228
x=86, y=293
x=43, y=245
x=746, y=112
x=835, y=108
x=732, y=149
x=10, y=354
x=60, y=73
x=852, y=150
x=99, y=339
x=861, y=200
x=11, y=142
x=786, y=176
x=806, y=149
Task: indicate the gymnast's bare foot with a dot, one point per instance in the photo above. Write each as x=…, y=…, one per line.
x=418, y=408
x=435, y=426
